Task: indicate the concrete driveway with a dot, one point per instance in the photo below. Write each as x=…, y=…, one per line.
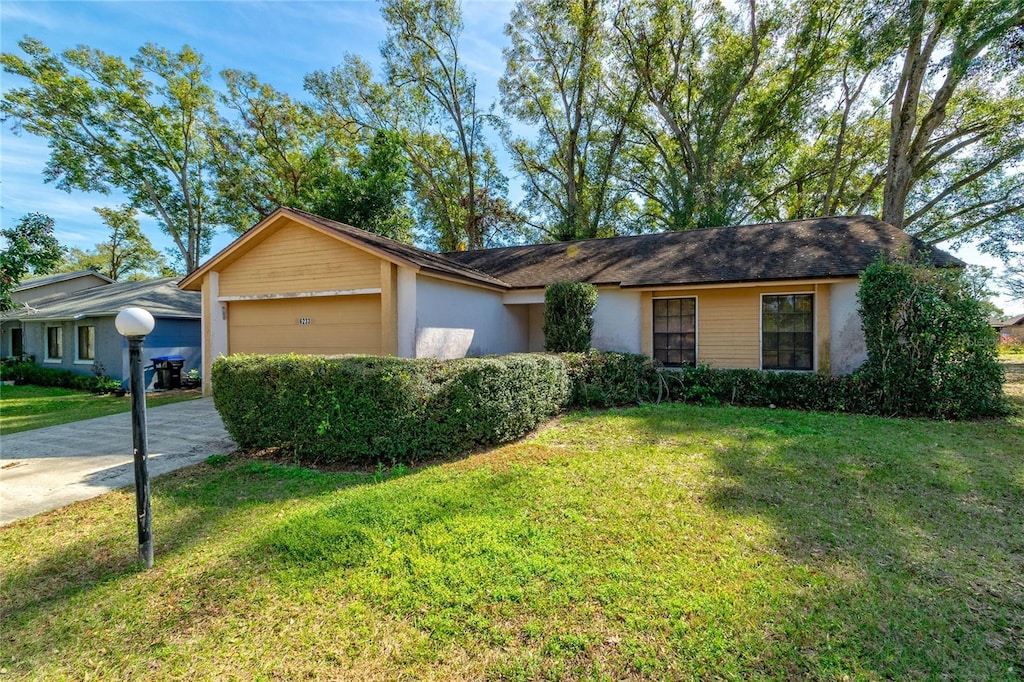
x=52, y=467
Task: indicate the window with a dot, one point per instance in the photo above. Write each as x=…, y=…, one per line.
x=675, y=331
x=86, y=343
x=54, y=343
x=787, y=331
x=17, y=343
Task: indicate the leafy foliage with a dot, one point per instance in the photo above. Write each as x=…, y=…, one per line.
x=37, y=375
x=427, y=98
x=31, y=248
x=556, y=68
x=135, y=126
x=569, y=316
x=607, y=379
x=370, y=409
x=126, y=254
x=930, y=348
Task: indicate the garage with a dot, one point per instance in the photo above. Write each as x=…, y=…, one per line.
x=319, y=325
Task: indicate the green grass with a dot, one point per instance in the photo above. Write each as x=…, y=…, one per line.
x=669, y=542
x=23, y=408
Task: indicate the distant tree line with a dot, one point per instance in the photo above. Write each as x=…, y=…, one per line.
x=620, y=116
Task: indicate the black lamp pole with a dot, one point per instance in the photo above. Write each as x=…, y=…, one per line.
x=140, y=451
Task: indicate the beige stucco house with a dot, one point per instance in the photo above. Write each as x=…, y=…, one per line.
x=770, y=296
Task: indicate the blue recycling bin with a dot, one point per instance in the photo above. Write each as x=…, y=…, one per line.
x=168, y=371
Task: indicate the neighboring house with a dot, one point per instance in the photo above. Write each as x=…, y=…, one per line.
x=1012, y=328
x=36, y=289
x=773, y=296
x=76, y=331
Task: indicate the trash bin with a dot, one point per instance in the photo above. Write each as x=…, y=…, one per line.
x=168, y=371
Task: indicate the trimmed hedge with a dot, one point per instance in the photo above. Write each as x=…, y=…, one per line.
x=608, y=379
x=31, y=373
x=569, y=316
x=366, y=410
x=757, y=388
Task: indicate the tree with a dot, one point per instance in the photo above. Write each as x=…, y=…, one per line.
x=372, y=194
x=136, y=127
x=126, y=254
x=555, y=81
x=31, y=249
x=727, y=91
x=956, y=123
x=273, y=152
x=427, y=99
x=1013, y=281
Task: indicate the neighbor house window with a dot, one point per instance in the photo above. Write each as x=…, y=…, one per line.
x=17, y=343
x=787, y=331
x=86, y=343
x=54, y=343
x=675, y=331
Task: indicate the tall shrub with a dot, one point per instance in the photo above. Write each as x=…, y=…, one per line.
x=930, y=349
x=569, y=316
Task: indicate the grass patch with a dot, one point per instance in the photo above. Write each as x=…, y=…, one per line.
x=23, y=408
x=664, y=542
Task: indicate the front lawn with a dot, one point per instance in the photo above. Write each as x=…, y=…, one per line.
x=666, y=542
x=23, y=408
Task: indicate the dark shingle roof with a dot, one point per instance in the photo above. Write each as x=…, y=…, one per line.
x=426, y=260
x=161, y=297
x=798, y=249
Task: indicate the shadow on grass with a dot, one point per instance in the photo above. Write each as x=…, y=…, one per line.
x=187, y=504
x=915, y=525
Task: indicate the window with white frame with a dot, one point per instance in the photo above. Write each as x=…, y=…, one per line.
x=86, y=343
x=54, y=343
x=787, y=331
x=675, y=331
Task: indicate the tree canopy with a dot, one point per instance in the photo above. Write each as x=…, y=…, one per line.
x=618, y=117
x=30, y=248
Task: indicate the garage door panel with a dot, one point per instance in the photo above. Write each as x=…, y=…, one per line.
x=336, y=325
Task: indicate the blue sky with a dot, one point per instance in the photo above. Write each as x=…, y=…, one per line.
x=278, y=40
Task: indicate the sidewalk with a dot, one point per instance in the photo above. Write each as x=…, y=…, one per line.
x=52, y=467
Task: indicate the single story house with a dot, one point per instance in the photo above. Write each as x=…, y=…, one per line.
x=76, y=331
x=770, y=296
x=36, y=289
x=1012, y=328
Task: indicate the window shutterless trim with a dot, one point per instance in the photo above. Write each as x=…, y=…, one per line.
x=60, y=344
x=814, y=331
x=696, y=328
x=79, y=360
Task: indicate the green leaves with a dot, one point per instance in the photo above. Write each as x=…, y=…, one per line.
x=30, y=248
x=135, y=126
x=930, y=348
x=569, y=316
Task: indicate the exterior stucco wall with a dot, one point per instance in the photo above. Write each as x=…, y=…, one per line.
x=849, y=350
x=107, y=351
x=454, y=321
x=169, y=337
x=617, y=321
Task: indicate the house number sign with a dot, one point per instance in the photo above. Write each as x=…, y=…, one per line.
x=304, y=320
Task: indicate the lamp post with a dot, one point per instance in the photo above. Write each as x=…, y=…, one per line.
x=134, y=324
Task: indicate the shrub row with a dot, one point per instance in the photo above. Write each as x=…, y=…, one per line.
x=365, y=410
x=600, y=379
x=370, y=409
x=37, y=375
